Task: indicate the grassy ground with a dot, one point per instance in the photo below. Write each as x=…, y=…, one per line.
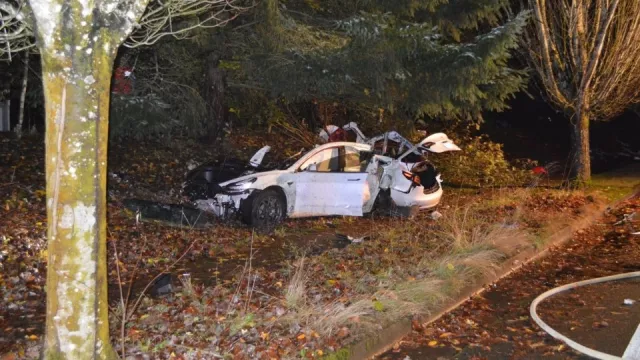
x=616, y=184
x=297, y=293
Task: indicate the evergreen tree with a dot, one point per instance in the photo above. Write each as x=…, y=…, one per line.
x=414, y=58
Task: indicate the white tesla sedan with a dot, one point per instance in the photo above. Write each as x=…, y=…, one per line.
x=338, y=178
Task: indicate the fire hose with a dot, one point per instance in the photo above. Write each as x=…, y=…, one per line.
x=576, y=346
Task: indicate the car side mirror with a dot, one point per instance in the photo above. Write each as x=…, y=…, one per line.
x=311, y=167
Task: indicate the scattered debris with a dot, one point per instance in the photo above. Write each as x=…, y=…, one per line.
x=626, y=218
x=349, y=239
x=357, y=240
x=629, y=301
x=510, y=226
x=435, y=215
x=600, y=324
x=185, y=279
x=163, y=285
x=192, y=164
x=539, y=170
x=170, y=214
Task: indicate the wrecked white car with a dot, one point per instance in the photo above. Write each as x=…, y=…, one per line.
x=337, y=178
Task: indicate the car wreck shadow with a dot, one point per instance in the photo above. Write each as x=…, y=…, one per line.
x=169, y=214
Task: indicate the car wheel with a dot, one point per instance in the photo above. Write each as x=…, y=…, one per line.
x=267, y=209
x=384, y=205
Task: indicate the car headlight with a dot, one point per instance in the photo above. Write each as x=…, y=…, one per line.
x=240, y=185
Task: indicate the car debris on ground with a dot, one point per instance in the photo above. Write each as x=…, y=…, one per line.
x=629, y=301
x=435, y=215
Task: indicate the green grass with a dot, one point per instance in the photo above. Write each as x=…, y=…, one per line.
x=617, y=184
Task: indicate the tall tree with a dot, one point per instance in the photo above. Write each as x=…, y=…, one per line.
x=413, y=58
x=23, y=94
x=78, y=41
x=586, y=55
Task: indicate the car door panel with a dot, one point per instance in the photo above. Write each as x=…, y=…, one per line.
x=374, y=174
x=327, y=193
x=322, y=188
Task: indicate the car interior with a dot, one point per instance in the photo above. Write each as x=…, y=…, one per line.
x=338, y=159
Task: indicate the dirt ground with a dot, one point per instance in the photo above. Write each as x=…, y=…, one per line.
x=497, y=324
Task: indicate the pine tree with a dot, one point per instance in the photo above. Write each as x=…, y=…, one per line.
x=414, y=58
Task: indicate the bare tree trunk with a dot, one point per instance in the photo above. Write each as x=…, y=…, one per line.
x=76, y=89
x=23, y=95
x=214, y=98
x=580, y=149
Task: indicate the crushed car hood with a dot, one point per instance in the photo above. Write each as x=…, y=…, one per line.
x=206, y=180
x=203, y=181
x=219, y=171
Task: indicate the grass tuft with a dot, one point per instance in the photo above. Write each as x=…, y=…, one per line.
x=295, y=295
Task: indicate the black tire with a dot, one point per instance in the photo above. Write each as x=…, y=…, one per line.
x=265, y=210
x=385, y=206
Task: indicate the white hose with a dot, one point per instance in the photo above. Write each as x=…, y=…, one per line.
x=581, y=348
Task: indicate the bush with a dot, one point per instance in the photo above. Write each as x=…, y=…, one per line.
x=139, y=117
x=153, y=116
x=482, y=163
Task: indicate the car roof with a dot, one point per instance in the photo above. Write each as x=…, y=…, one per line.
x=308, y=154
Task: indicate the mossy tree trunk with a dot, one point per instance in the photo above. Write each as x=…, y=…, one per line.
x=581, y=149
x=78, y=41
x=78, y=44
x=76, y=88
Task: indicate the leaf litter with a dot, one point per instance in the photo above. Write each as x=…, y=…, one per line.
x=235, y=301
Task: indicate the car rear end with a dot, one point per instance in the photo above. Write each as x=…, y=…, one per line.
x=416, y=185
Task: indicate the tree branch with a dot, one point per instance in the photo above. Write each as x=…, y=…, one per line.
x=594, y=58
x=547, y=74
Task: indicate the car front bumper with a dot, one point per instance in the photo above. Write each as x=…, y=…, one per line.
x=222, y=205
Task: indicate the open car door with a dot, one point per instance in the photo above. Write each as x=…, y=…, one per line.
x=435, y=143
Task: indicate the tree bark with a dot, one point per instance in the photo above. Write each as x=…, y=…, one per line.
x=580, y=149
x=23, y=95
x=214, y=96
x=76, y=88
